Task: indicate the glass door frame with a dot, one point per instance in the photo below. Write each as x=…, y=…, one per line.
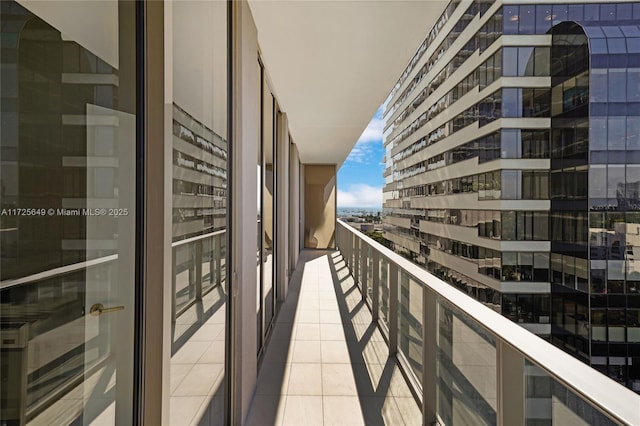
x=154, y=223
x=264, y=326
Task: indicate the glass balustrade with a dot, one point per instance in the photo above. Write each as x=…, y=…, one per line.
x=468, y=364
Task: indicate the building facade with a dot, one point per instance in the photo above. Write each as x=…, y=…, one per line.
x=512, y=170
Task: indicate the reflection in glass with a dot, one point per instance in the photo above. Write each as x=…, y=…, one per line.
x=410, y=322
x=466, y=369
x=267, y=288
x=384, y=293
x=259, y=239
x=198, y=138
x=550, y=402
x=68, y=158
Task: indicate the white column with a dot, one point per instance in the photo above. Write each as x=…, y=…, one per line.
x=282, y=200
x=244, y=147
x=157, y=288
x=294, y=205
x=301, y=207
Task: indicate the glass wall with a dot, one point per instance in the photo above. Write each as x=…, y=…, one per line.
x=196, y=70
x=67, y=263
x=410, y=322
x=466, y=369
x=266, y=191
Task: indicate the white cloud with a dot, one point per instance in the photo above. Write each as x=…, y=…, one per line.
x=373, y=132
x=360, y=195
x=362, y=152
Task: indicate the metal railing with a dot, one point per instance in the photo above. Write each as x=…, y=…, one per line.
x=467, y=363
x=190, y=280
x=198, y=267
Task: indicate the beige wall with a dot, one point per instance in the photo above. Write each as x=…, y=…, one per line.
x=319, y=206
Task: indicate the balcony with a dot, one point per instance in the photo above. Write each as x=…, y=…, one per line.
x=367, y=337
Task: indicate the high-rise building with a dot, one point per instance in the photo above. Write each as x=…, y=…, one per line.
x=513, y=164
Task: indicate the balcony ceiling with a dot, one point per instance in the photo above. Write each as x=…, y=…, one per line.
x=332, y=63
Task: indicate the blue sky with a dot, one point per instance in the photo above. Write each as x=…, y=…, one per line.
x=360, y=177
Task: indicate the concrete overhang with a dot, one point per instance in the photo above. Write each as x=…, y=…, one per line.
x=332, y=63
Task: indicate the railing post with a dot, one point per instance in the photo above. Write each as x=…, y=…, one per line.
x=198, y=269
x=352, y=253
x=511, y=390
x=429, y=356
x=375, y=282
x=394, y=280
x=173, y=283
x=356, y=261
x=217, y=255
x=347, y=249
x=363, y=269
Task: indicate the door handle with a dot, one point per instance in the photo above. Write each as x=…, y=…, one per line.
x=99, y=309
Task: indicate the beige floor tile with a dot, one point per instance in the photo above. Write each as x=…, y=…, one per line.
x=278, y=352
x=266, y=410
x=327, y=295
x=398, y=385
x=287, y=316
x=178, y=372
x=370, y=380
x=310, y=316
x=303, y=411
x=332, y=332
x=373, y=352
x=328, y=304
x=214, y=353
x=273, y=379
x=305, y=379
x=216, y=412
x=307, y=332
x=338, y=379
x=362, y=317
x=334, y=352
x=200, y=380
x=373, y=379
x=330, y=317
x=410, y=411
x=306, y=351
x=342, y=410
x=183, y=409
x=207, y=332
x=306, y=304
x=106, y=417
x=283, y=331
x=190, y=352
x=381, y=411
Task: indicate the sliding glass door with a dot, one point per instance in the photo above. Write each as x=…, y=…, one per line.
x=67, y=229
x=196, y=133
x=267, y=209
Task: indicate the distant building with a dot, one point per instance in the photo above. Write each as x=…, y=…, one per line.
x=513, y=168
